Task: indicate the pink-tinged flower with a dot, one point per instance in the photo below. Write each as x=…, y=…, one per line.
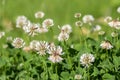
x=106, y=45
x=115, y=24
x=55, y=53
x=32, y=29
x=41, y=47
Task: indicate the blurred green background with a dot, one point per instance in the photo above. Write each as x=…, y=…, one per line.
x=61, y=11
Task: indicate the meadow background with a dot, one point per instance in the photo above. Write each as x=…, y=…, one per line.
x=61, y=11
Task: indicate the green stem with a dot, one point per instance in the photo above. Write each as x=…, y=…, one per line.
x=88, y=73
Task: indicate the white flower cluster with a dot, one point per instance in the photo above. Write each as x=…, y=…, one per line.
x=33, y=28
x=42, y=47
x=86, y=59
x=112, y=23
x=64, y=34
x=85, y=19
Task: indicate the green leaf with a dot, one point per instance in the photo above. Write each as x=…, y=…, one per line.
x=108, y=77
x=2, y=62
x=96, y=72
x=65, y=75
x=116, y=61
x=44, y=76
x=54, y=77
x=106, y=64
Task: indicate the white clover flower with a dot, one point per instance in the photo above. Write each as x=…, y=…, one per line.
x=78, y=23
x=101, y=32
x=63, y=36
x=114, y=34
x=21, y=21
x=97, y=28
x=33, y=44
x=42, y=30
x=66, y=29
x=41, y=47
x=47, y=23
x=106, y=45
x=2, y=34
x=55, y=53
x=39, y=14
x=86, y=59
x=18, y=42
x=78, y=76
x=118, y=9
x=88, y=19
x=77, y=15
x=115, y=24
x=32, y=29
x=108, y=19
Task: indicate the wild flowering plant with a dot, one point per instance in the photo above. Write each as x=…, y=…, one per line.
x=85, y=52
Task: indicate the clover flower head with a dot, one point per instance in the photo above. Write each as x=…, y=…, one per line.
x=63, y=36
x=106, y=45
x=77, y=15
x=88, y=19
x=66, y=29
x=86, y=59
x=55, y=53
x=41, y=47
x=115, y=24
x=39, y=14
x=47, y=23
x=32, y=29
x=78, y=23
x=18, y=42
x=21, y=21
